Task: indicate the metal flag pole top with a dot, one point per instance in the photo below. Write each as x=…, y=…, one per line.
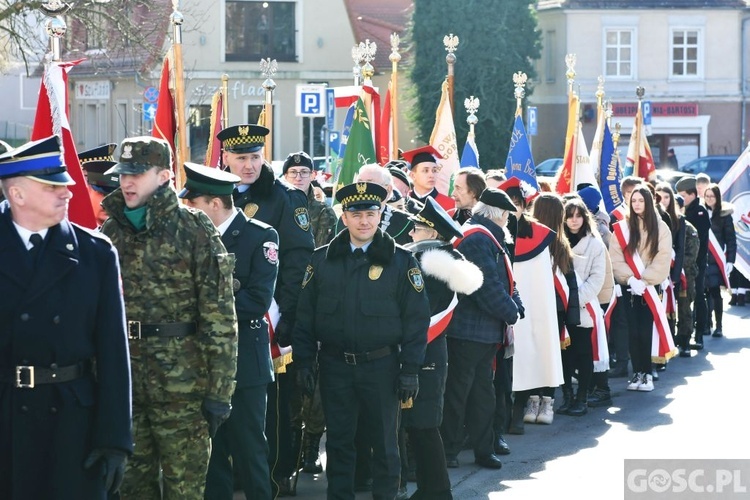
x=357, y=69
x=179, y=93
x=268, y=67
x=519, y=82
x=55, y=25
x=570, y=74
x=451, y=43
x=395, y=57
x=367, y=51
x=471, y=104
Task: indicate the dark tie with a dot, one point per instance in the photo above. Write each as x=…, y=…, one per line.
x=358, y=253
x=36, y=243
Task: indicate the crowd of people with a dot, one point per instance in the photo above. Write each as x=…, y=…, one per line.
x=213, y=336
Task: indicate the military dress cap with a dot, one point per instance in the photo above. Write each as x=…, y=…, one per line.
x=200, y=180
x=421, y=155
x=361, y=196
x=435, y=216
x=298, y=159
x=396, y=168
x=515, y=186
x=96, y=162
x=243, y=138
x=104, y=152
x=139, y=154
x=40, y=160
x=497, y=198
x=685, y=183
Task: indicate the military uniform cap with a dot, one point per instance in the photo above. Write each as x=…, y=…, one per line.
x=361, y=196
x=421, y=155
x=497, y=198
x=298, y=159
x=396, y=168
x=243, y=138
x=95, y=162
x=200, y=180
x=40, y=160
x=139, y=154
x=685, y=183
x=435, y=216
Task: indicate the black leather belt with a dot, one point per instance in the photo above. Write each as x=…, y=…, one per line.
x=28, y=377
x=138, y=330
x=355, y=358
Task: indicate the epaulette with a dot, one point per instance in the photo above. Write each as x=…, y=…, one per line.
x=92, y=232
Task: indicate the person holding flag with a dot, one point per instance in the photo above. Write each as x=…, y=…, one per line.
x=722, y=249
x=423, y=171
x=641, y=253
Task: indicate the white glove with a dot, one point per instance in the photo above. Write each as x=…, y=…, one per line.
x=637, y=287
x=730, y=266
x=618, y=291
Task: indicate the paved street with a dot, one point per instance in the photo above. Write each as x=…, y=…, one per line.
x=698, y=410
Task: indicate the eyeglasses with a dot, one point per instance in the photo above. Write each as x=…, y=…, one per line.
x=302, y=174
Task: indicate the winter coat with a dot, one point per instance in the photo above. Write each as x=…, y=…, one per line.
x=656, y=266
x=590, y=267
x=723, y=228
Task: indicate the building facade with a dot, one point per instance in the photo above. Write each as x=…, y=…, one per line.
x=691, y=57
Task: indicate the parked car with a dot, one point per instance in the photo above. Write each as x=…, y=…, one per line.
x=715, y=166
x=547, y=170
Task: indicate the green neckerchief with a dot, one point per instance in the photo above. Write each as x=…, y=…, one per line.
x=137, y=217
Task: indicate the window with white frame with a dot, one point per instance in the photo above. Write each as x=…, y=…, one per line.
x=619, y=52
x=256, y=30
x=685, y=45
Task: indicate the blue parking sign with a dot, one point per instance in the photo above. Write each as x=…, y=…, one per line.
x=531, y=121
x=311, y=101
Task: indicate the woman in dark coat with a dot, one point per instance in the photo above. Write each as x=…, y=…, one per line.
x=446, y=274
x=725, y=241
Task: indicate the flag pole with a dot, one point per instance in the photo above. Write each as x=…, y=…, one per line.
x=638, y=130
x=179, y=92
x=55, y=26
x=395, y=57
x=472, y=106
x=570, y=74
x=519, y=81
x=451, y=42
x=224, y=100
x=268, y=67
x=357, y=69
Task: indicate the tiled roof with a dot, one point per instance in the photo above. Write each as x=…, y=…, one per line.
x=642, y=4
x=376, y=20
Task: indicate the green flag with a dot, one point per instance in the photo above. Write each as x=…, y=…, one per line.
x=359, y=148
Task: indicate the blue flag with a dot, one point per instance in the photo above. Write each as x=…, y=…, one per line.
x=610, y=173
x=520, y=163
x=470, y=154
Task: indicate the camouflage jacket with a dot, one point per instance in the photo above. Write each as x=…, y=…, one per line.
x=176, y=270
x=692, y=247
x=322, y=220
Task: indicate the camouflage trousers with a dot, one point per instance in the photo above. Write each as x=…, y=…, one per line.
x=171, y=452
x=685, y=314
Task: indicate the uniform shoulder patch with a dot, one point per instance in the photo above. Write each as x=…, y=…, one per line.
x=309, y=271
x=271, y=252
x=415, y=278
x=302, y=218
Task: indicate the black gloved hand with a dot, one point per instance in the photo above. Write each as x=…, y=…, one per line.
x=111, y=464
x=283, y=332
x=306, y=381
x=215, y=414
x=408, y=386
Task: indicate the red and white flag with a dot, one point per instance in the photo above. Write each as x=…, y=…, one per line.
x=385, y=131
x=165, y=122
x=639, y=152
x=52, y=119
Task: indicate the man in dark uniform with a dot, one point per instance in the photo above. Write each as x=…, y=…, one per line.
x=94, y=163
x=363, y=299
x=284, y=207
x=697, y=215
x=64, y=425
x=255, y=247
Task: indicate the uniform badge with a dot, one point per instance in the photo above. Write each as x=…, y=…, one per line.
x=243, y=131
x=302, y=218
x=251, y=209
x=127, y=151
x=309, y=271
x=236, y=284
x=271, y=252
x=415, y=277
x=375, y=272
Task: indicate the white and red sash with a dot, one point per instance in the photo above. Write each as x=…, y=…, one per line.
x=281, y=356
x=662, y=345
x=439, y=321
x=619, y=212
x=719, y=257
x=563, y=291
x=610, y=309
x=598, y=337
x=469, y=229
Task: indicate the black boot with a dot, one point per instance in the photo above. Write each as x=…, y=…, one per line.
x=742, y=299
x=719, y=313
x=567, y=400
x=311, y=462
x=516, y=420
x=733, y=300
x=578, y=408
